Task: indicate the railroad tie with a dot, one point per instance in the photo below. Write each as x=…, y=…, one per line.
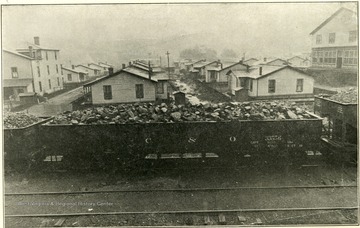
x=60, y=222
x=222, y=219
x=207, y=220
x=242, y=219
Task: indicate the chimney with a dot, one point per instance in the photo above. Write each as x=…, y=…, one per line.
x=247, y=68
x=123, y=66
x=31, y=54
x=150, y=71
x=111, y=70
x=264, y=59
x=37, y=40
x=260, y=70
x=129, y=63
x=72, y=67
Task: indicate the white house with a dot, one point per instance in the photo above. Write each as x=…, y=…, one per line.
x=46, y=67
x=219, y=73
x=73, y=75
x=97, y=67
x=17, y=75
x=298, y=61
x=334, y=42
x=135, y=83
x=270, y=82
x=91, y=72
x=36, y=63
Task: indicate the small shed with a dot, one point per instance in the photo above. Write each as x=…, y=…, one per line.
x=179, y=97
x=28, y=98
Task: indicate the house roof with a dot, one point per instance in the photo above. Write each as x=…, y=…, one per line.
x=18, y=54
x=95, y=65
x=266, y=71
x=203, y=64
x=15, y=82
x=74, y=70
x=251, y=59
x=160, y=76
x=85, y=67
x=107, y=65
x=131, y=70
x=277, y=60
x=330, y=18
x=225, y=68
x=37, y=47
x=296, y=57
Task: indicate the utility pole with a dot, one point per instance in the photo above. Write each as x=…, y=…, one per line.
x=167, y=53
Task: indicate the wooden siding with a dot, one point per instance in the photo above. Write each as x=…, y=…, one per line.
x=123, y=89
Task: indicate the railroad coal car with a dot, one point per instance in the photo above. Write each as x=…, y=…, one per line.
x=240, y=141
x=339, y=140
x=21, y=143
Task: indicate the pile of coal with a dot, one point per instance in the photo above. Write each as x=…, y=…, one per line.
x=19, y=120
x=346, y=96
x=169, y=113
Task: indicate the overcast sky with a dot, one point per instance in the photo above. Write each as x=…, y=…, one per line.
x=278, y=28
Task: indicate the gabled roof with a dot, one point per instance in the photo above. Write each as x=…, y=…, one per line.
x=36, y=47
x=95, y=65
x=277, y=60
x=225, y=68
x=251, y=59
x=330, y=18
x=202, y=60
x=18, y=54
x=107, y=65
x=296, y=57
x=205, y=64
x=80, y=65
x=74, y=70
x=266, y=71
x=131, y=70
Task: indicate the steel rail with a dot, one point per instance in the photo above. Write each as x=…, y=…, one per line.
x=182, y=212
x=180, y=190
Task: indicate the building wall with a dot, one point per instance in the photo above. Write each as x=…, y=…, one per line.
x=44, y=77
x=167, y=90
x=285, y=83
x=341, y=25
x=74, y=76
x=23, y=66
x=123, y=89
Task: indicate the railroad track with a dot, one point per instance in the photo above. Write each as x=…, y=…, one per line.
x=236, y=217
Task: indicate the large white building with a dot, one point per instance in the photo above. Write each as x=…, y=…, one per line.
x=32, y=69
x=334, y=42
x=270, y=82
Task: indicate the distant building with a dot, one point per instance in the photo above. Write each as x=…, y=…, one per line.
x=91, y=71
x=270, y=82
x=33, y=69
x=298, y=61
x=100, y=69
x=219, y=73
x=335, y=41
x=250, y=61
x=72, y=75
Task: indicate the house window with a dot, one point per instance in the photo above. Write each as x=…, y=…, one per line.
x=160, y=87
x=242, y=82
x=315, y=57
x=351, y=57
x=95, y=72
x=55, y=56
x=352, y=36
x=69, y=77
x=58, y=81
x=139, y=90
x=318, y=39
x=40, y=87
x=107, y=92
x=299, y=85
x=62, y=73
x=49, y=84
x=271, y=86
x=48, y=69
x=62, y=80
x=14, y=72
x=38, y=70
x=251, y=84
x=321, y=56
x=212, y=75
x=47, y=57
x=57, y=69
x=331, y=38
